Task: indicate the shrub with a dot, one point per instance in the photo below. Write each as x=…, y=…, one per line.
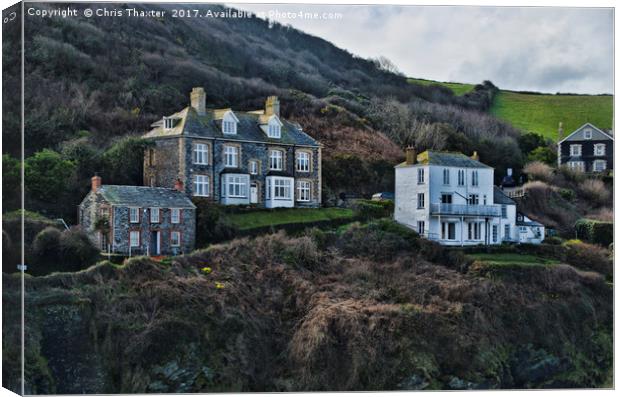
x=537, y=170
x=595, y=191
x=46, y=247
x=68, y=251
x=571, y=175
x=567, y=194
x=212, y=225
x=367, y=209
x=553, y=240
x=589, y=256
x=595, y=232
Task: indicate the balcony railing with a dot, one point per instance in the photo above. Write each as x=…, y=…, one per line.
x=465, y=209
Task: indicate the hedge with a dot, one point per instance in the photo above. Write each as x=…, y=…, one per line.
x=595, y=232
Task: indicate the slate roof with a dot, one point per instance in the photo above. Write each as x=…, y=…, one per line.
x=578, y=135
x=248, y=128
x=144, y=196
x=448, y=159
x=499, y=197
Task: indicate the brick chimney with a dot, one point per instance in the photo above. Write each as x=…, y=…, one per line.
x=475, y=156
x=198, y=99
x=560, y=131
x=272, y=106
x=411, y=155
x=95, y=183
x=178, y=185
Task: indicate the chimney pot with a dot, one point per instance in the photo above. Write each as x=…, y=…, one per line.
x=95, y=183
x=198, y=99
x=178, y=185
x=272, y=106
x=411, y=155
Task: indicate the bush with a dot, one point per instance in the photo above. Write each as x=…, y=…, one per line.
x=595, y=191
x=589, y=256
x=537, y=170
x=553, y=240
x=567, y=194
x=595, y=232
x=67, y=251
x=367, y=209
x=212, y=225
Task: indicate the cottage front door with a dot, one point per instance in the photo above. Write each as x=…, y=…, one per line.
x=253, y=194
x=155, y=243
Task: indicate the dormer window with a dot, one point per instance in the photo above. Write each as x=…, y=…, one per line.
x=274, y=128
x=229, y=123
x=168, y=123
x=587, y=134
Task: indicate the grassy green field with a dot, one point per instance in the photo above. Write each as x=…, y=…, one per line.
x=513, y=259
x=255, y=219
x=542, y=113
x=457, y=88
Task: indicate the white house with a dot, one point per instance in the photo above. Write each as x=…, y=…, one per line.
x=450, y=198
x=530, y=231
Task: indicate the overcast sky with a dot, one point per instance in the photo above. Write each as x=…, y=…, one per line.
x=538, y=49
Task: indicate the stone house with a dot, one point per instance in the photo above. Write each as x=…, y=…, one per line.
x=138, y=220
x=587, y=149
x=235, y=157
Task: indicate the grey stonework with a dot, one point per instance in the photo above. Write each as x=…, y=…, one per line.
x=90, y=210
x=167, y=170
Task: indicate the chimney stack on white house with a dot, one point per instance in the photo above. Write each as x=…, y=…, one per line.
x=272, y=106
x=198, y=99
x=95, y=183
x=475, y=156
x=411, y=155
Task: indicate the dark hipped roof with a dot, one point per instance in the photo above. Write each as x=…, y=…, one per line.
x=248, y=129
x=144, y=196
x=448, y=159
x=500, y=198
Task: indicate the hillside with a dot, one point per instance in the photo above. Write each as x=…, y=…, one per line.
x=367, y=308
x=541, y=113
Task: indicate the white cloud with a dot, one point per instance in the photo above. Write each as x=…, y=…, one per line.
x=529, y=48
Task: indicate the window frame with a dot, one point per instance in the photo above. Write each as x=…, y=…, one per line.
x=577, y=146
x=301, y=189
x=421, y=227
x=599, y=161
x=461, y=180
x=279, y=160
x=474, y=178
x=206, y=180
x=154, y=210
x=421, y=201
x=286, y=187
x=446, y=176
x=131, y=215
x=172, y=217
x=201, y=152
x=253, y=167
x=587, y=134
x=235, y=186
x=231, y=152
x=131, y=240
x=602, y=146
x=178, y=243
x=421, y=176
x=298, y=161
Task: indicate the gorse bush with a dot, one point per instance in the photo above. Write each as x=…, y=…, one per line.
x=594, y=231
x=65, y=251
x=595, y=191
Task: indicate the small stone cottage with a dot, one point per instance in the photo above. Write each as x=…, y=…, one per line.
x=139, y=220
x=235, y=157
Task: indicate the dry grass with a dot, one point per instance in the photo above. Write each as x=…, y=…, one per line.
x=537, y=170
x=595, y=191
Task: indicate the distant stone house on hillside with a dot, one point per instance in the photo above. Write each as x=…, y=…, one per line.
x=587, y=149
x=234, y=157
x=138, y=220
